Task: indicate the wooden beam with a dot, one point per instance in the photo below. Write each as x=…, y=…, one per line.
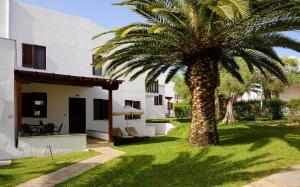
x=110, y=115
x=51, y=78
x=19, y=105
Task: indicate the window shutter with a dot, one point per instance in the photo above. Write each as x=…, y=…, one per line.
x=97, y=109
x=39, y=57
x=27, y=56
x=137, y=105
x=105, y=109
x=160, y=97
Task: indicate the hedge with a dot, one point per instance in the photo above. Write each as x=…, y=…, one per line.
x=182, y=110
x=250, y=110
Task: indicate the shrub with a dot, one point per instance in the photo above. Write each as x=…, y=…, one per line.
x=275, y=108
x=247, y=110
x=250, y=110
x=182, y=110
x=293, y=110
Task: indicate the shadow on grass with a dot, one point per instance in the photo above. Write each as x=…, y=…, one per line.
x=261, y=135
x=19, y=172
x=199, y=169
x=151, y=140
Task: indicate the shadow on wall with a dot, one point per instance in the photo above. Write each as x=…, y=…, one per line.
x=7, y=132
x=8, y=150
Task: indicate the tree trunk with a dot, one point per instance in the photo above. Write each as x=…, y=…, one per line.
x=267, y=94
x=221, y=106
x=203, y=81
x=229, y=116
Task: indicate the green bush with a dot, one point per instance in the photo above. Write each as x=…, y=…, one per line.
x=250, y=110
x=182, y=110
x=247, y=110
x=275, y=108
x=294, y=110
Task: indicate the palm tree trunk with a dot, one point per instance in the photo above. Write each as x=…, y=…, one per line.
x=203, y=81
x=229, y=116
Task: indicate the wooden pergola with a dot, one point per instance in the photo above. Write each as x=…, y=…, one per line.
x=27, y=77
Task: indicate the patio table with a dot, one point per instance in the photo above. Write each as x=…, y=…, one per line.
x=42, y=129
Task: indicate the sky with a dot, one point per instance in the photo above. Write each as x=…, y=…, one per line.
x=110, y=16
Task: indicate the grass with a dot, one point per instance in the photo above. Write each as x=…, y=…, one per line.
x=248, y=151
x=23, y=170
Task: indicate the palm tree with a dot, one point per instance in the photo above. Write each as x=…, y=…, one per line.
x=196, y=37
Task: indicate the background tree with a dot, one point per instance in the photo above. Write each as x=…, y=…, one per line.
x=272, y=87
x=181, y=88
x=195, y=37
x=232, y=89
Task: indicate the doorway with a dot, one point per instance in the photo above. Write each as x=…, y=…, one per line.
x=77, y=115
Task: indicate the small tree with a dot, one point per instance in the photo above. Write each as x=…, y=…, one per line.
x=232, y=89
x=181, y=88
x=272, y=87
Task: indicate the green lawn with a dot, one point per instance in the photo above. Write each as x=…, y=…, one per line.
x=248, y=151
x=24, y=169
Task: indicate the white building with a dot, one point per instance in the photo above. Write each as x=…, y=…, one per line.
x=46, y=77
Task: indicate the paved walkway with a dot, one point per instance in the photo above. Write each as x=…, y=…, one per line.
x=286, y=178
x=76, y=169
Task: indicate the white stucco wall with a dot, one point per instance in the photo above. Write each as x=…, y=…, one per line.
x=67, y=38
x=155, y=111
x=58, y=104
x=39, y=145
x=7, y=106
x=170, y=93
x=68, y=44
x=135, y=91
x=162, y=128
x=69, y=51
x=4, y=18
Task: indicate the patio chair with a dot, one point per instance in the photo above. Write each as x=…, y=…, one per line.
x=132, y=132
x=58, y=129
x=119, y=137
x=26, y=130
x=48, y=129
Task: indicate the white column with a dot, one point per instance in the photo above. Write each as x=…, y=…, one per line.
x=4, y=18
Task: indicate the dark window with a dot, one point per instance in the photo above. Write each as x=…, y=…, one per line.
x=39, y=57
x=100, y=109
x=97, y=70
x=34, y=56
x=134, y=104
x=153, y=88
x=34, y=105
x=158, y=100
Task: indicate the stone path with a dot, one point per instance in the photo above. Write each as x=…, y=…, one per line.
x=286, y=178
x=73, y=170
